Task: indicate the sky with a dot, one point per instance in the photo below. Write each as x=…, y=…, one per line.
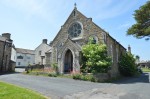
x=30, y=21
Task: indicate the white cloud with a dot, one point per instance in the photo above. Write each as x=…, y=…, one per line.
x=47, y=10
x=28, y=7
x=52, y=9
x=109, y=9
x=124, y=26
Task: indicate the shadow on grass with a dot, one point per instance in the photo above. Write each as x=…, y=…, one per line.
x=143, y=78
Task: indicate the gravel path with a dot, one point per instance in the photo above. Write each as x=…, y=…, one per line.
x=63, y=88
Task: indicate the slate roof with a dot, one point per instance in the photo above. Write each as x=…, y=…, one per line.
x=24, y=51
x=49, y=51
x=3, y=39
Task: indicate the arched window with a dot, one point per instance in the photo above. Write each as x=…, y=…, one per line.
x=93, y=39
x=75, y=30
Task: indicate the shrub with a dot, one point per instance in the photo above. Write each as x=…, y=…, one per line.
x=27, y=71
x=97, y=60
x=52, y=74
x=85, y=77
x=77, y=76
x=37, y=73
x=127, y=66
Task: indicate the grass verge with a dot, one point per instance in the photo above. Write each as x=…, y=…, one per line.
x=8, y=91
x=145, y=70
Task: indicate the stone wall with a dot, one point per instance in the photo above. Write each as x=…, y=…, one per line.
x=1, y=53
x=89, y=28
x=40, y=52
x=5, y=56
x=115, y=50
x=101, y=77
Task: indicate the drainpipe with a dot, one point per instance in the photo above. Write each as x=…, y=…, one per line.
x=3, y=55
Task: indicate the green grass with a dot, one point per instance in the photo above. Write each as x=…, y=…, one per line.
x=8, y=91
x=41, y=73
x=145, y=70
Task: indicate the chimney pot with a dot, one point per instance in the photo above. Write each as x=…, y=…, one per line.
x=129, y=49
x=45, y=41
x=6, y=35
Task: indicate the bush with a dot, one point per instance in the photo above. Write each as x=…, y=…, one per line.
x=27, y=72
x=77, y=76
x=55, y=67
x=85, y=77
x=96, y=58
x=52, y=75
x=127, y=66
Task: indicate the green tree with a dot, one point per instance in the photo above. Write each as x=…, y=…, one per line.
x=141, y=28
x=97, y=60
x=137, y=57
x=127, y=66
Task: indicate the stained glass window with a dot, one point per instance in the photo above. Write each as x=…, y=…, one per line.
x=75, y=30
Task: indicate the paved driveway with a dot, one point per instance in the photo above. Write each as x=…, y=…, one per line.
x=56, y=88
x=19, y=70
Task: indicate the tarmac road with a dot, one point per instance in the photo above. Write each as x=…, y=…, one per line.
x=64, y=88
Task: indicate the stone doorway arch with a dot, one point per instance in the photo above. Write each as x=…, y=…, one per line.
x=68, y=61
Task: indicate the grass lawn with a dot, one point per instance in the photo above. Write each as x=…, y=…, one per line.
x=145, y=70
x=8, y=91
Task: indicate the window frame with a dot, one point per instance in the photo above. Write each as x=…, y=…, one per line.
x=74, y=29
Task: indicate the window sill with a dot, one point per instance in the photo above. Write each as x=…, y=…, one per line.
x=77, y=38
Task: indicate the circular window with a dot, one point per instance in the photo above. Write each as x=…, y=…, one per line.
x=75, y=30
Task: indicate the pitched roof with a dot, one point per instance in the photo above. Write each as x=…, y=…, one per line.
x=75, y=9
x=2, y=38
x=49, y=51
x=24, y=51
x=44, y=45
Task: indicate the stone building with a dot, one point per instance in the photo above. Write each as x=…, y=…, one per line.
x=143, y=64
x=76, y=31
x=24, y=57
x=40, y=52
x=13, y=57
x=5, y=52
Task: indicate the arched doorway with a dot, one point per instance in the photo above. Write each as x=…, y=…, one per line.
x=68, y=62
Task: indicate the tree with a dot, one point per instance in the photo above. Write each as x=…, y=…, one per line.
x=137, y=58
x=127, y=66
x=141, y=28
x=97, y=60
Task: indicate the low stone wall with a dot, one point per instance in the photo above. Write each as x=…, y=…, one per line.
x=102, y=77
x=31, y=67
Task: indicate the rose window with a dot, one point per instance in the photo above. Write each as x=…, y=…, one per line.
x=75, y=30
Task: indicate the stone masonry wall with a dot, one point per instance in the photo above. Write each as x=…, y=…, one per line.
x=89, y=29
x=7, y=56
x=1, y=53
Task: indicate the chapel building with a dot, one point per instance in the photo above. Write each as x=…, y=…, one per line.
x=76, y=31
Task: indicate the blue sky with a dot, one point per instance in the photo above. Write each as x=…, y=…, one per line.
x=30, y=21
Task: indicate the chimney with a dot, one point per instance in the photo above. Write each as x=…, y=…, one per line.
x=45, y=41
x=6, y=35
x=129, y=49
x=90, y=19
